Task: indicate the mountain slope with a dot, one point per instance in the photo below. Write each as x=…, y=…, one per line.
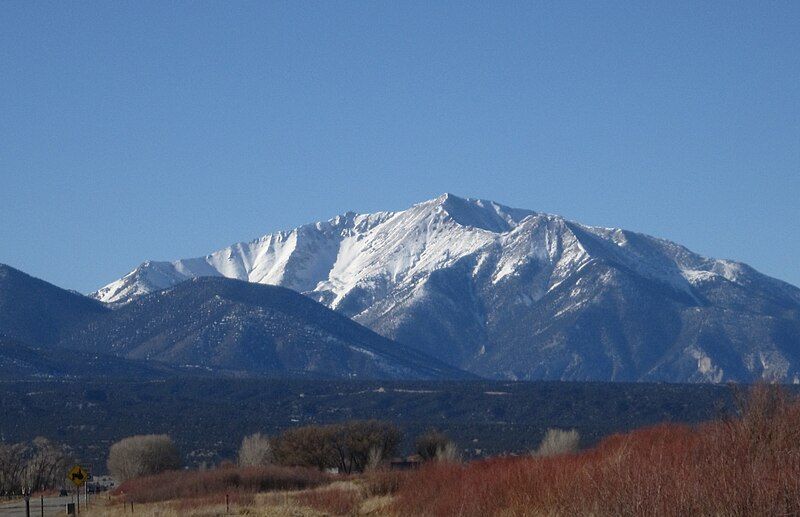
x=19, y=361
x=512, y=293
x=36, y=312
x=238, y=327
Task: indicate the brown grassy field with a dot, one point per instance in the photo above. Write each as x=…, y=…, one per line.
x=748, y=464
x=270, y=491
x=335, y=498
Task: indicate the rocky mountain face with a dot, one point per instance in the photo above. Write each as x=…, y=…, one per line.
x=511, y=293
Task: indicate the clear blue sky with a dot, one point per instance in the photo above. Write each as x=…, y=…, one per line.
x=135, y=130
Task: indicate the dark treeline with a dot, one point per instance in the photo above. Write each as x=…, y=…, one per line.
x=207, y=418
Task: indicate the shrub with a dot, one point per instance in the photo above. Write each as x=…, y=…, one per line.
x=255, y=451
x=308, y=446
x=200, y=484
x=430, y=443
x=746, y=464
x=142, y=455
x=224, y=464
x=375, y=459
x=434, y=445
x=448, y=453
x=382, y=482
x=355, y=441
x=350, y=447
x=558, y=441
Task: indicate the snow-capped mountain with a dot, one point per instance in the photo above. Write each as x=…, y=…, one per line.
x=513, y=293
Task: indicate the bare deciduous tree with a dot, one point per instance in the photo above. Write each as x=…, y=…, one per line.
x=12, y=467
x=142, y=455
x=255, y=451
x=375, y=460
x=46, y=466
x=308, y=446
x=354, y=441
x=40, y=465
x=449, y=453
x=349, y=447
x=558, y=441
x=430, y=443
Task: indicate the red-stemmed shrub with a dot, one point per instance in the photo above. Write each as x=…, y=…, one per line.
x=746, y=464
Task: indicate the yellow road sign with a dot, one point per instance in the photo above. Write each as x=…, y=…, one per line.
x=78, y=475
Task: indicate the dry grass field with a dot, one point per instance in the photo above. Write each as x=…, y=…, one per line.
x=336, y=498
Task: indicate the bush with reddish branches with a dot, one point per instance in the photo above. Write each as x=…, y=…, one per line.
x=744, y=464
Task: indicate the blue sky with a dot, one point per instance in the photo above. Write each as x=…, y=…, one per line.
x=135, y=130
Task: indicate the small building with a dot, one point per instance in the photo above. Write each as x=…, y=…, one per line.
x=102, y=483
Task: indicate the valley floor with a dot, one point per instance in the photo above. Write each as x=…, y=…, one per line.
x=747, y=463
x=208, y=417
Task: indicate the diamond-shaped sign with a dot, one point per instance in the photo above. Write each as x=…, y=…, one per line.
x=78, y=475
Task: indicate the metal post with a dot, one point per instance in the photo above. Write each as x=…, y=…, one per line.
x=27, y=505
x=227, y=504
x=41, y=504
x=78, y=499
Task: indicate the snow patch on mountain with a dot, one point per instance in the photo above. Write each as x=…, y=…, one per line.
x=394, y=251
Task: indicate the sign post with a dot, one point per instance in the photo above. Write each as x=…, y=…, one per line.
x=78, y=476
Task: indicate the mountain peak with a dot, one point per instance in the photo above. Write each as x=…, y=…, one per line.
x=33, y=310
x=6, y=270
x=478, y=213
x=450, y=198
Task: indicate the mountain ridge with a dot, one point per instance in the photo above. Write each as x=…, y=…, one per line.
x=446, y=274
x=261, y=329
x=19, y=361
x=35, y=311
x=204, y=326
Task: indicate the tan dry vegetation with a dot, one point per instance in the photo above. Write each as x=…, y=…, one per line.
x=281, y=504
x=351, y=497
